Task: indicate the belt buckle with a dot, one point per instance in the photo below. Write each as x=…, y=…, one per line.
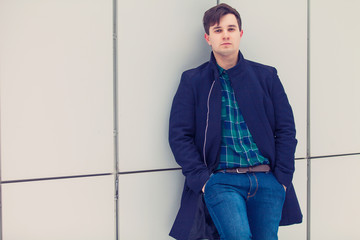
x=238, y=170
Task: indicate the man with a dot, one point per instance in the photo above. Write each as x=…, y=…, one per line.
x=232, y=131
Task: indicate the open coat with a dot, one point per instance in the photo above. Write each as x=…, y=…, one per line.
x=195, y=136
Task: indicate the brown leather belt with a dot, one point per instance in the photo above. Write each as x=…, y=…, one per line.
x=258, y=168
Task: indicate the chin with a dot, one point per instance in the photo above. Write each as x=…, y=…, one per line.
x=227, y=52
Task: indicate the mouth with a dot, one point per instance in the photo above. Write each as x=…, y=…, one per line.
x=226, y=44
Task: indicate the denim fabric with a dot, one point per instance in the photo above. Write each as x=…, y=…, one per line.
x=245, y=206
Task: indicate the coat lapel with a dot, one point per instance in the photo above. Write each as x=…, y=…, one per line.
x=250, y=100
x=214, y=127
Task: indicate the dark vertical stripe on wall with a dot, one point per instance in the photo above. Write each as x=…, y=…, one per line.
x=308, y=146
x=115, y=113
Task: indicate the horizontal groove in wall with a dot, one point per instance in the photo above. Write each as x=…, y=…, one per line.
x=55, y=178
x=142, y=171
x=336, y=155
x=151, y=170
x=173, y=169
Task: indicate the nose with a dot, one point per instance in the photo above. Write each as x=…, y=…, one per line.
x=226, y=34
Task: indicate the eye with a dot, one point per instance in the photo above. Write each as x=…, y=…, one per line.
x=217, y=30
x=231, y=29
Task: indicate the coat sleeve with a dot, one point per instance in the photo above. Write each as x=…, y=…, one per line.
x=285, y=141
x=182, y=129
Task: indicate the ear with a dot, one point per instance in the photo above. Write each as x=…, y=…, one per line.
x=241, y=33
x=207, y=38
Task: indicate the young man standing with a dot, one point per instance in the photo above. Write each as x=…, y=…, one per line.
x=232, y=131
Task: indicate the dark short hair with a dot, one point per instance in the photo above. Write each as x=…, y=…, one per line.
x=213, y=15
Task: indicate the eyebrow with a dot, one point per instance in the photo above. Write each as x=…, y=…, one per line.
x=217, y=27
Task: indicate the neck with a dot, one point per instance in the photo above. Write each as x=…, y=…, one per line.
x=226, y=62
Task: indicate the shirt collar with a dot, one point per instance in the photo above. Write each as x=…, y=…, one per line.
x=221, y=70
x=237, y=69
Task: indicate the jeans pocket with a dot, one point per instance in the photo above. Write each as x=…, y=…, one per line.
x=208, y=182
x=282, y=189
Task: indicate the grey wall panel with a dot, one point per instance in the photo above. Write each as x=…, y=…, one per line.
x=335, y=198
x=56, y=88
x=335, y=61
x=148, y=204
x=275, y=34
x=298, y=231
x=72, y=209
x=155, y=47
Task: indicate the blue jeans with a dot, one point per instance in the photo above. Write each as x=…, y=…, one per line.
x=246, y=205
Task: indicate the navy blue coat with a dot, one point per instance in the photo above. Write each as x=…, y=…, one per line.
x=195, y=135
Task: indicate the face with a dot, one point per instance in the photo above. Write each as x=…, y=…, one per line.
x=224, y=38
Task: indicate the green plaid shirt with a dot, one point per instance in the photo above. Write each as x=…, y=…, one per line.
x=238, y=148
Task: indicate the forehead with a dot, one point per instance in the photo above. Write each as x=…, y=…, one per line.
x=226, y=21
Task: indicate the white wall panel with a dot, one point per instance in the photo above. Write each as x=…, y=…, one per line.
x=335, y=61
x=148, y=204
x=298, y=231
x=335, y=198
x=56, y=88
x=158, y=40
x=275, y=34
x=71, y=209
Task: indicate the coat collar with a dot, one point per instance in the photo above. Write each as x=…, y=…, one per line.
x=237, y=69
